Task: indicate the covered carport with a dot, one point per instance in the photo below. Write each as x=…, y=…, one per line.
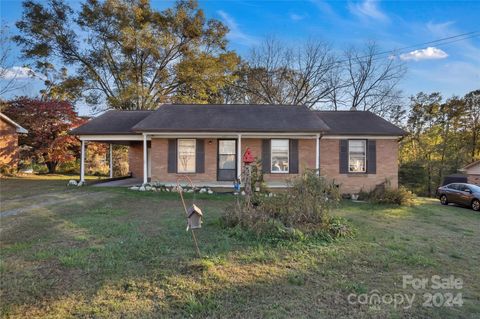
x=115, y=128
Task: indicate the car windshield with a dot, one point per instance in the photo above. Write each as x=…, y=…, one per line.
x=474, y=188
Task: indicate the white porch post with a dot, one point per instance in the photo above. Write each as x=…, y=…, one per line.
x=82, y=163
x=111, y=161
x=317, y=154
x=145, y=159
x=239, y=157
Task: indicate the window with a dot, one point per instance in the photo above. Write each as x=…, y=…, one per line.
x=186, y=156
x=357, y=160
x=226, y=154
x=279, y=156
x=474, y=188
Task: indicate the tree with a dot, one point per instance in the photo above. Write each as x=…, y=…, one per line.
x=48, y=123
x=372, y=80
x=8, y=72
x=439, y=140
x=126, y=53
x=277, y=74
x=472, y=120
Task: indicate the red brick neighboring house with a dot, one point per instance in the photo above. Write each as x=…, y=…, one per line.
x=472, y=171
x=358, y=150
x=9, y=131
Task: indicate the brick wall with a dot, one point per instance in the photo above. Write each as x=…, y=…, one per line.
x=160, y=162
x=387, y=162
x=8, y=145
x=306, y=156
x=387, y=166
x=474, y=179
x=135, y=159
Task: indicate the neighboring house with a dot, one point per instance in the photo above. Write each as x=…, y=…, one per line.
x=358, y=150
x=472, y=171
x=9, y=152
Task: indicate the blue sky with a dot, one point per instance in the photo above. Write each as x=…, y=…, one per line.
x=451, y=69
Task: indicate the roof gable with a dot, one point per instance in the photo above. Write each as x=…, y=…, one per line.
x=471, y=165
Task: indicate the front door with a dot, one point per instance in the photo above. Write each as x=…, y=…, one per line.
x=227, y=160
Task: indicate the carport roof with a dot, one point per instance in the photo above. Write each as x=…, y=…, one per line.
x=113, y=122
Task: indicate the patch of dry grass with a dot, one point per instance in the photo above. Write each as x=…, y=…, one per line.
x=126, y=254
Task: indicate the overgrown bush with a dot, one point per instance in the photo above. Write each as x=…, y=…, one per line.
x=7, y=170
x=387, y=195
x=302, y=211
x=70, y=167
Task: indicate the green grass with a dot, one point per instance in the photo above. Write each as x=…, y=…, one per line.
x=112, y=252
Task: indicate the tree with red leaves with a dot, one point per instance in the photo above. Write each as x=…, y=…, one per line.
x=48, y=123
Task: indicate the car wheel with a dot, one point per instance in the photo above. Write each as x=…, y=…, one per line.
x=476, y=205
x=443, y=200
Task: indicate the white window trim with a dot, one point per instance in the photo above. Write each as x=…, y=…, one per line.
x=194, y=155
x=288, y=156
x=365, y=156
x=220, y=154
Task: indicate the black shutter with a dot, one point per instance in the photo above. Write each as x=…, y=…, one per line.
x=266, y=156
x=293, y=154
x=343, y=159
x=200, y=156
x=371, y=157
x=172, y=155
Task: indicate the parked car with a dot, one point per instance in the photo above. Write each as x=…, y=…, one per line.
x=460, y=193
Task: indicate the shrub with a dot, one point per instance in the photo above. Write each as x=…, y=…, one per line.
x=303, y=210
x=7, y=170
x=387, y=195
x=70, y=167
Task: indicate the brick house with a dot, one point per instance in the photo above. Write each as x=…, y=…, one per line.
x=472, y=171
x=9, y=131
x=356, y=149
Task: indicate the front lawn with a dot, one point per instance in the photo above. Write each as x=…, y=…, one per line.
x=104, y=252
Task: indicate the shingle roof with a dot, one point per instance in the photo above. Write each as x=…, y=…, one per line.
x=231, y=118
x=358, y=123
x=238, y=118
x=112, y=122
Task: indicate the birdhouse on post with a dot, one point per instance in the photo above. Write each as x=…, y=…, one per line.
x=194, y=215
x=248, y=157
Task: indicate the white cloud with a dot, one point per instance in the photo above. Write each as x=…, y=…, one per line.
x=235, y=34
x=368, y=9
x=16, y=72
x=430, y=53
x=296, y=17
